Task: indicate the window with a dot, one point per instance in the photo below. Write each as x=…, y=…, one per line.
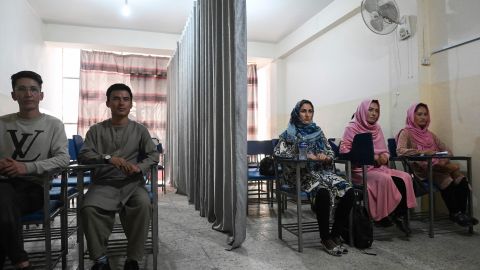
x=71, y=88
x=264, y=122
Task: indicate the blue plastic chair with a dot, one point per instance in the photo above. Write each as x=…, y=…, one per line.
x=256, y=150
x=54, y=206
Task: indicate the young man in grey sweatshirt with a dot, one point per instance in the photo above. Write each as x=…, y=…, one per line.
x=31, y=144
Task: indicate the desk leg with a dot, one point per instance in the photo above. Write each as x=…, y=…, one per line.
x=64, y=220
x=81, y=247
x=470, y=180
x=431, y=206
x=299, y=211
x=280, y=210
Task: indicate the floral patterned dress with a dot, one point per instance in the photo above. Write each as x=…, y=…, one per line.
x=314, y=175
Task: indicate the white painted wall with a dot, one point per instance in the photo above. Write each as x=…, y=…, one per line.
x=111, y=39
x=453, y=79
x=21, y=47
x=345, y=63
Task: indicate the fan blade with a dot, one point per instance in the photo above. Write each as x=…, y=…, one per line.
x=389, y=11
x=370, y=5
x=377, y=23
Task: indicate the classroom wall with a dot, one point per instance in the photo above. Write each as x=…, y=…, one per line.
x=450, y=84
x=23, y=48
x=344, y=65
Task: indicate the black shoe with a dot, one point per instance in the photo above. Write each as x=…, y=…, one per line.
x=131, y=265
x=100, y=266
x=461, y=219
x=384, y=222
x=402, y=225
x=473, y=220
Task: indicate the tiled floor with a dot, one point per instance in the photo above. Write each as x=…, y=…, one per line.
x=188, y=242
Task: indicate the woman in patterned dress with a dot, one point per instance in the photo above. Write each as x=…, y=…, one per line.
x=325, y=187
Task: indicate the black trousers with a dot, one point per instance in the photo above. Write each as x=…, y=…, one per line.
x=17, y=198
x=401, y=209
x=456, y=196
x=322, y=209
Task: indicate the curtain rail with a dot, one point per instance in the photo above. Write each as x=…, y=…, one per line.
x=455, y=45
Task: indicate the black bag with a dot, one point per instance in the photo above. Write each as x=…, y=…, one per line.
x=267, y=167
x=362, y=225
x=419, y=186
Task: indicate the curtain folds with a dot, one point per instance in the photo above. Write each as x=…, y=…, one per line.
x=145, y=75
x=207, y=115
x=252, y=94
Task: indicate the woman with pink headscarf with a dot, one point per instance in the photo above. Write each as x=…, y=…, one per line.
x=416, y=139
x=390, y=192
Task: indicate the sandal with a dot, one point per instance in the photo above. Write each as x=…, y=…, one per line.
x=473, y=220
x=331, y=248
x=338, y=241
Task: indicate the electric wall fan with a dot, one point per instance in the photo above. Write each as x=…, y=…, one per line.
x=381, y=16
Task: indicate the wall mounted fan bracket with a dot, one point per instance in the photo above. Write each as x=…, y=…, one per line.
x=404, y=30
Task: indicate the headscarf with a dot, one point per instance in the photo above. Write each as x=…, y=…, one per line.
x=359, y=124
x=298, y=131
x=422, y=137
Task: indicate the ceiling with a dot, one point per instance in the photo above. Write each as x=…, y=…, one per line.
x=267, y=20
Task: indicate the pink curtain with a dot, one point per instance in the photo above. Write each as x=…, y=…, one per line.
x=252, y=101
x=145, y=75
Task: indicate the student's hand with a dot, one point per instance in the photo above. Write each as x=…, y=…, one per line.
x=375, y=158
x=133, y=169
x=428, y=152
x=383, y=159
x=3, y=163
x=125, y=166
x=311, y=156
x=12, y=168
x=380, y=160
x=324, y=158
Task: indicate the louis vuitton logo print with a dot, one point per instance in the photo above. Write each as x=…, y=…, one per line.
x=20, y=144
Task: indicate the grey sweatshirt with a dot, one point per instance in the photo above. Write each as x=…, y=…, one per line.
x=40, y=143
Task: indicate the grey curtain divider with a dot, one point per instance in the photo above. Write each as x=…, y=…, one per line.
x=207, y=115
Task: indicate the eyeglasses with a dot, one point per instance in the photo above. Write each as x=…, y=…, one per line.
x=23, y=89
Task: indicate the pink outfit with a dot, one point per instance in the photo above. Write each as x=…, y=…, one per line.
x=383, y=195
x=422, y=137
x=412, y=139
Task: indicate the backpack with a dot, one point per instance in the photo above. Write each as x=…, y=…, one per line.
x=362, y=225
x=267, y=166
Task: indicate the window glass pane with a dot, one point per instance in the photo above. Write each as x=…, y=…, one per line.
x=71, y=63
x=70, y=100
x=70, y=130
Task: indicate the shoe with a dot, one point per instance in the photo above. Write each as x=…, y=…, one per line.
x=338, y=241
x=402, y=225
x=100, y=266
x=473, y=220
x=131, y=265
x=461, y=219
x=384, y=222
x=28, y=267
x=331, y=248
